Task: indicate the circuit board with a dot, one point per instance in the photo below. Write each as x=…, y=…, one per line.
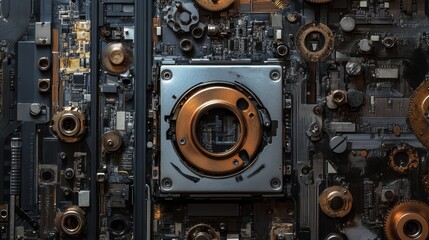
x=214, y=119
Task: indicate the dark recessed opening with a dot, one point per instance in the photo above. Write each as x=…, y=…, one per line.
x=118, y=226
x=71, y=223
x=337, y=203
x=47, y=175
x=401, y=159
x=412, y=228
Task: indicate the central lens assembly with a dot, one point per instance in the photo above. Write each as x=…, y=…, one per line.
x=218, y=130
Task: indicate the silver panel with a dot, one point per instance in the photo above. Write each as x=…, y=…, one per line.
x=255, y=78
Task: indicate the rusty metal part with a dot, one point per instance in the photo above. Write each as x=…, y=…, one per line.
x=214, y=5
x=319, y=1
x=245, y=148
x=117, y=58
x=55, y=71
x=425, y=181
x=408, y=220
x=339, y=97
x=202, y=232
x=336, y=201
x=69, y=124
x=71, y=221
x=112, y=141
x=314, y=31
x=418, y=113
x=403, y=159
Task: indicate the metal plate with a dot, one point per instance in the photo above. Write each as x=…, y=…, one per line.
x=268, y=165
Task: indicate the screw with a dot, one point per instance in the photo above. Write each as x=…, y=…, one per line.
x=63, y=155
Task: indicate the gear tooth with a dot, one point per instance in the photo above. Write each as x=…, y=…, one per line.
x=416, y=120
x=400, y=208
x=210, y=6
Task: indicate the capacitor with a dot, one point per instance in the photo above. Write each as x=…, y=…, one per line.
x=347, y=24
x=35, y=109
x=354, y=98
x=353, y=68
x=365, y=45
x=212, y=29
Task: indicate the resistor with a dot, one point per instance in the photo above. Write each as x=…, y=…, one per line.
x=15, y=168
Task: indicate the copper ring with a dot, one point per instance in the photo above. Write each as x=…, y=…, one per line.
x=412, y=161
x=217, y=97
x=329, y=195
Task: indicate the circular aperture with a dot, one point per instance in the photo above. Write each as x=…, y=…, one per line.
x=337, y=203
x=44, y=85
x=314, y=41
x=413, y=228
x=3, y=213
x=222, y=135
x=186, y=45
x=197, y=32
x=118, y=226
x=401, y=159
x=282, y=50
x=71, y=223
x=218, y=130
x=69, y=125
x=44, y=63
x=47, y=175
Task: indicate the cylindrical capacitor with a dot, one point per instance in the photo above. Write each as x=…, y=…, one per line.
x=365, y=45
x=347, y=24
x=353, y=68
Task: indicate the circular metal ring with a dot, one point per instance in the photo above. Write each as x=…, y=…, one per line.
x=336, y=201
x=236, y=158
x=69, y=124
x=325, y=51
x=403, y=159
x=71, y=221
x=408, y=220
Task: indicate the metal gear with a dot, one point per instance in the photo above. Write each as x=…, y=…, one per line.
x=408, y=220
x=315, y=42
x=319, y=1
x=201, y=231
x=418, y=113
x=214, y=5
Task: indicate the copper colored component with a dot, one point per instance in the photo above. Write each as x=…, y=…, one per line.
x=314, y=32
x=408, y=220
x=214, y=5
x=403, y=159
x=117, y=58
x=397, y=131
x=71, y=221
x=112, y=141
x=202, y=232
x=55, y=71
x=213, y=98
x=319, y=1
x=336, y=201
x=425, y=181
x=418, y=113
x=69, y=124
x=339, y=97
x=156, y=22
x=364, y=153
